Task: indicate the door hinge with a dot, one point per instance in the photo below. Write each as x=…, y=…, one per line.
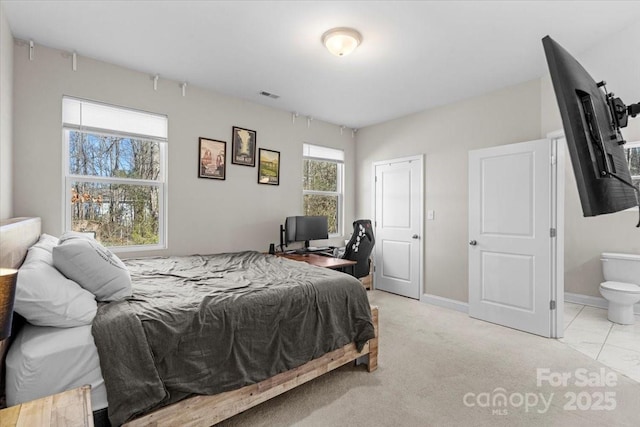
x=552, y=232
x=553, y=159
x=552, y=305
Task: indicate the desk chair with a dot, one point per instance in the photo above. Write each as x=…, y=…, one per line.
x=360, y=246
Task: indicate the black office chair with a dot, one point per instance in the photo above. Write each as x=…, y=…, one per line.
x=360, y=246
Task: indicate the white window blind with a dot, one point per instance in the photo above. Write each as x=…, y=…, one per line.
x=87, y=115
x=324, y=153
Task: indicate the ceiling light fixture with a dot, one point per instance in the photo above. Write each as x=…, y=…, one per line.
x=341, y=41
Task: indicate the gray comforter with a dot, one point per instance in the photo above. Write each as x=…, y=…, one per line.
x=209, y=324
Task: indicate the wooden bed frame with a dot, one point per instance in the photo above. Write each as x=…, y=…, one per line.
x=17, y=234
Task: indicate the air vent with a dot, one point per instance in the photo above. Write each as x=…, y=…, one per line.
x=269, y=95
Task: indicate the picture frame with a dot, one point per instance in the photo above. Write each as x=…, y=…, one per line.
x=268, y=167
x=243, y=146
x=212, y=159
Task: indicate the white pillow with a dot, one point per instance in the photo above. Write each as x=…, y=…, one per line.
x=93, y=267
x=74, y=235
x=47, y=243
x=45, y=297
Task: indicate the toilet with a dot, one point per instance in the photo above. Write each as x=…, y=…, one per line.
x=622, y=285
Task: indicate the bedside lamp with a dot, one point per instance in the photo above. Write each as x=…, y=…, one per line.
x=8, y=278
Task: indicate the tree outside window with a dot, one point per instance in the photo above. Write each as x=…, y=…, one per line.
x=632, y=152
x=121, y=212
x=322, y=185
x=114, y=178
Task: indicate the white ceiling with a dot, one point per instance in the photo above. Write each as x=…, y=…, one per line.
x=414, y=55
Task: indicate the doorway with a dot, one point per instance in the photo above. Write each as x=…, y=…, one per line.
x=516, y=198
x=398, y=222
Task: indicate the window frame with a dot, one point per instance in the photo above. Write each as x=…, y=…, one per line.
x=339, y=184
x=161, y=182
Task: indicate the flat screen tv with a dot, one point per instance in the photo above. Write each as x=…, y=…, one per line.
x=592, y=119
x=305, y=228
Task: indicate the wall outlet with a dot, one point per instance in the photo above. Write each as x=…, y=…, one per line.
x=431, y=215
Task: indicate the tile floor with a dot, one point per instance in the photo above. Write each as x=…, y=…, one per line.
x=588, y=330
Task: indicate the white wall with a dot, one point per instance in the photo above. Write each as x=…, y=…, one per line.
x=211, y=216
x=617, y=61
x=6, y=117
x=445, y=135
x=205, y=215
x=523, y=112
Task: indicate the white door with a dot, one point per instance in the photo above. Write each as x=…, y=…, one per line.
x=398, y=226
x=511, y=241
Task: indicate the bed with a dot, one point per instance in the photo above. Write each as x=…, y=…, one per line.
x=312, y=321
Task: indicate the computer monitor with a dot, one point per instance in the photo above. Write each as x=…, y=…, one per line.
x=305, y=228
x=592, y=119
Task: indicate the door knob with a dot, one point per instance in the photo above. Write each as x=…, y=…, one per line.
x=473, y=243
x=415, y=236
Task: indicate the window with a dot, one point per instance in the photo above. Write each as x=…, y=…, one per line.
x=115, y=174
x=632, y=153
x=322, y=184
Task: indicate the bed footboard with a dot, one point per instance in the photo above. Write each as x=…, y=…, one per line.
x=209, y=410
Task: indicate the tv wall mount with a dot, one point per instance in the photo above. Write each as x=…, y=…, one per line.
x=619, y=114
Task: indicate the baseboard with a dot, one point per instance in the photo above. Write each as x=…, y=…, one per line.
x=445, y=302
x=591, y=301
x=463, y=307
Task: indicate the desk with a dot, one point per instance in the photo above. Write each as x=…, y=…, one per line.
x=321, y=261
x=67, y=409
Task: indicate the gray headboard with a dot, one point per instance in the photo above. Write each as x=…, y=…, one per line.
x=16, y=236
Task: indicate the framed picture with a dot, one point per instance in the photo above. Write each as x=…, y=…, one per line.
x=243, y=147
x=212, y=158
x=269, y=167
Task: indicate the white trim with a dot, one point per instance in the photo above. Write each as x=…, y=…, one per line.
x=399, y=160
x=557, y=142
x=556, y=134
x=591, y=301
x=421, y=159
x=116, y=180
x=569, y=297
x=451, y=304
x=66, y=222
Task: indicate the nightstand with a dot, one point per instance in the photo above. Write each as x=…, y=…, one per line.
x=71, y=408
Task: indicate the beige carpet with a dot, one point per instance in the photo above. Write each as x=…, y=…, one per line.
x=431, y=358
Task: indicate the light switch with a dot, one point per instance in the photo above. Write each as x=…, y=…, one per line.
x=431, y=215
